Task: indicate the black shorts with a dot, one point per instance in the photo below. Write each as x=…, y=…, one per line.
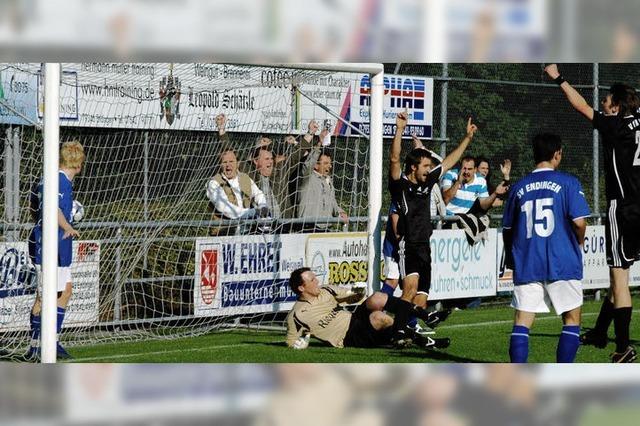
x=622, y=233
x=415, y=258
x=361, y=333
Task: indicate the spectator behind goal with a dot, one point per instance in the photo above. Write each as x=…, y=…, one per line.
x=232, y=195
x=318, y=197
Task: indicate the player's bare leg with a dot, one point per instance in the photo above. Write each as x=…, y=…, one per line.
x=380, y=321
x=410, y=288
x=620, y=288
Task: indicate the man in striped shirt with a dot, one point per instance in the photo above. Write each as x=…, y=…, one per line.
x=462, y=187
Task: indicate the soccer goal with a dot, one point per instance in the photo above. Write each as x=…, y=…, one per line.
x=157, y=257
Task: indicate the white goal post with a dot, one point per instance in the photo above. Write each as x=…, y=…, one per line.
x=50, y=212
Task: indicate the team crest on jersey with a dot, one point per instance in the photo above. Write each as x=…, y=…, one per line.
x=170, y=97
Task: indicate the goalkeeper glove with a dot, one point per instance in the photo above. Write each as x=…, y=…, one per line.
x=302, y=342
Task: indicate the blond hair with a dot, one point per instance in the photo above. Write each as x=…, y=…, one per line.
x=71, y=154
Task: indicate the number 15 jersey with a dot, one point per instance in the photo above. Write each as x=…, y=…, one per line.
x=540, y=212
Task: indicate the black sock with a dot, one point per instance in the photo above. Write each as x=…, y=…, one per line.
x=605, y=316
x=401, y=309
x=621, y=322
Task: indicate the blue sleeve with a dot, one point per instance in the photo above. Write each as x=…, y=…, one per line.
x=448, y=179
x=393, y=208
x=65, y=197
x=484, y=190
x=509, y=209
x=578, y=206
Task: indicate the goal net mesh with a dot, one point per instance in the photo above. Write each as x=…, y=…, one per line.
x=154, y=252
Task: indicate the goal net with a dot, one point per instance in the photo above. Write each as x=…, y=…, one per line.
x=167, y=248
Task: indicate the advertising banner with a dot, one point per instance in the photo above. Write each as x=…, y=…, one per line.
x=245, y=274
x=460, y=270
x=410, y=93
x=19, y=281
x=18, y=95
x=190, y=96
x=338, y=259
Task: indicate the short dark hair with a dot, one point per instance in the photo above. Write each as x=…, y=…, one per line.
x=296, y=280
x=468, y=158
x=625, y=97
x=545, y=145
x=414, y=158
x=326, y=153
x=483, y=160
x=256, y=152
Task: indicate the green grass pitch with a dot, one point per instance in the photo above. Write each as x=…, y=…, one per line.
x=477, y=335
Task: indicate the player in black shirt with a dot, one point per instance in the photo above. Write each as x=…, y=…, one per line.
x=411, y=192
x=619, y=127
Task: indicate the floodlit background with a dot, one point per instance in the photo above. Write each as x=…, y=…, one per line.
x=321, y=30
x=321, y=394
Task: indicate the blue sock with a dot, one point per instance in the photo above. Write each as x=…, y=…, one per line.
x=387, y=289
x=61, y=312
x=519, y=344
x=568, y=343
x=35, y=330
x=413, y=321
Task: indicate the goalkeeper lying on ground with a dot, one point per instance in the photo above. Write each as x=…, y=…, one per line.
x=318, y=312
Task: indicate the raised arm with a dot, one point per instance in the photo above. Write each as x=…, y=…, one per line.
x=449, y=191
x=575, y=99
x=488, y=202
x=395, y=168
x=417, y=143
x=451, y=159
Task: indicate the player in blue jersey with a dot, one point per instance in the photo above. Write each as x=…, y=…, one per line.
x=544, y=226
x=71, y=161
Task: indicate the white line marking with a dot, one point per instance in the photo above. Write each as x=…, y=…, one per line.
x=210, y=348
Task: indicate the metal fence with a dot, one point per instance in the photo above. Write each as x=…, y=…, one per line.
x=513, y=102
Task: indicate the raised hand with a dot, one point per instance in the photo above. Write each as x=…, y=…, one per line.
x=401, y=120
x=471, y=128
x=221, y=122
x=552, y=71
x=417, y=143
x=505, y=168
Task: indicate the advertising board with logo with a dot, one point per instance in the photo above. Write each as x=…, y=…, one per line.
x=17, y=95
x=410, y=93
x=19, y=281
x=338, y=259
x=245, y=274
x=461, y=270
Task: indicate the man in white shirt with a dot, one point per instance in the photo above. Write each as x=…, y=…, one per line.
x=234, y=195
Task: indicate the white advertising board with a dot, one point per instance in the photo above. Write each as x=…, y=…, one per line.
x=18, y=283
